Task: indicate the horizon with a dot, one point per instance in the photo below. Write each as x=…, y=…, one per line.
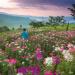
x=15, y=20
x=36, y=7
x=4, y=13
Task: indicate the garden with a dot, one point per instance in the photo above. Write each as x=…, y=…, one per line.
x=44, y=53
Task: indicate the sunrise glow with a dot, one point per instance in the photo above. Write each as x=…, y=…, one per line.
x=36, y=7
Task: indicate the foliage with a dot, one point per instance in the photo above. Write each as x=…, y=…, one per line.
x=58, y=20
x=36, y=24
x=72, y=9
x=52, y=21
x=4, y=28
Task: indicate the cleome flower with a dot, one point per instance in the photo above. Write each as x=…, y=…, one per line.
x=11, y=61
x=48, y=61
x=19, y=73
x=39, y=55
x=55, y=59
x=50, y=73
x=67, y=56
x=57, y=49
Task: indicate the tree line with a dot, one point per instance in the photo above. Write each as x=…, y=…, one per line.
x=4, y=29
x=52, y=21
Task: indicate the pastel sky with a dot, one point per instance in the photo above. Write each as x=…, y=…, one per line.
x=36, y=7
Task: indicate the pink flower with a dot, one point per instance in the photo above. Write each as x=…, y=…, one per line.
x=61, y=49
x=39, y=55
x=24, y=57
x=24, y=47
x=11, y=61
x=49, y=73
x=38, y=49
x=15, y=49
x=71, y=49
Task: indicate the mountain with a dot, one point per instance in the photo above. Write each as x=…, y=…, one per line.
x=13, y=20
x=16, y=20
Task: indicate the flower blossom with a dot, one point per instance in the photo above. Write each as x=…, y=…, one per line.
x=49, y=73
x=11, y=61
x=48, y=61
x=67, y=55
x=55, y=59
x=39, y=55
x=19, y=73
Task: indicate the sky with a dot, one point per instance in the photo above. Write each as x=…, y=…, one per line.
x=36, y=7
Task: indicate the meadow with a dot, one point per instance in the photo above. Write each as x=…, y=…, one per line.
x=48, y=51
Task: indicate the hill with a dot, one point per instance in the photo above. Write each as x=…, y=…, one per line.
x=17, y=20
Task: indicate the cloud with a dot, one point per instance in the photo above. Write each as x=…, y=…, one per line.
x=62, y=3
x=7, y=4
x=32, y=11
x=39, y=7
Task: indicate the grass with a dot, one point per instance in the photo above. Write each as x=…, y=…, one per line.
x=39, y=29
x=52, y=28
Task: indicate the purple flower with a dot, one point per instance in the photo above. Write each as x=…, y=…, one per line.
x=35, y=70
x=56, y=59
x=22, y=70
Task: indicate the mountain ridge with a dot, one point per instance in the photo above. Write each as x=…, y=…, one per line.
x=17, y=20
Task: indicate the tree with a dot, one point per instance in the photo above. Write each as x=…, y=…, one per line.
x=13, y=28
x=67, y=28
x=72, y=9
x=21, y=26
x=4, y=28
x=36, y=24
x=32, y=24
x=56, y=21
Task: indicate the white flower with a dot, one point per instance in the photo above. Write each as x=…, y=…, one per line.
x=70, y=45
x=9, y=45
x=23, y=62
x=48, y=61
x=27, y=59
x=20, y=51
x=57, y=48
x=19, y=73
x=74, y=46
x=12, y=42
x=18, y=46
x=65, y=52
x=67, y=55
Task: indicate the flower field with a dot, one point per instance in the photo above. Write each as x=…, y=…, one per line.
x=44, y=53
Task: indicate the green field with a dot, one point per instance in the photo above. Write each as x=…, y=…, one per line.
x=18, y=54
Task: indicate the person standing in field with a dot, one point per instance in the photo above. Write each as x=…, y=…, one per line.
x=24, y=34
